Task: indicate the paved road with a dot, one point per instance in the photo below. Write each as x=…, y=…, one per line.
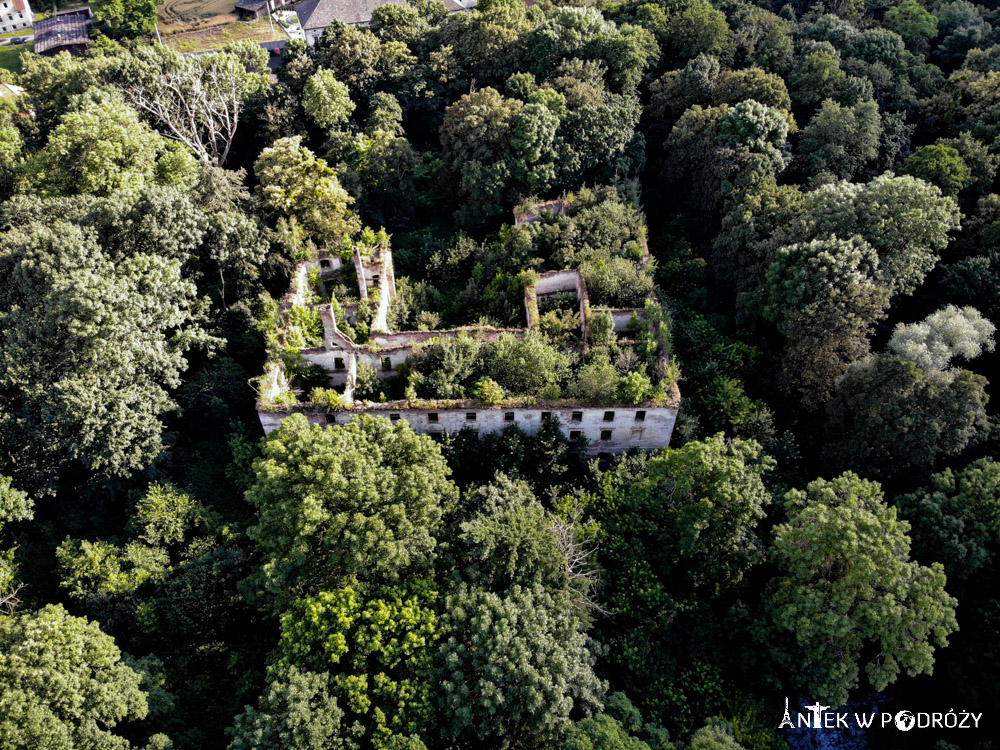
x=27, y=38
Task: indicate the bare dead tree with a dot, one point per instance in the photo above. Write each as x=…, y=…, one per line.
x=197, y=101
x=10, y=600
x=584, y=576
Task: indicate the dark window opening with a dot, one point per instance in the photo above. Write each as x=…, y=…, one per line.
x=605, y=434
x=574, y=434
x=338, y=363
x=432, y=417
x=609, y=416
x=508, y=416
x=640, y=416
x=324, y=264
x=386, y=363
x=393, y=417
x=578, y=416
x=470, y=416
x=546, y=415
x=331, y=419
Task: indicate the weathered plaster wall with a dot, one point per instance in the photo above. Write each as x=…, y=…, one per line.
x=627, y=431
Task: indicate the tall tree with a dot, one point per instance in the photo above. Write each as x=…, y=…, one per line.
x=514, y=665
x=848, y=596
x=63, y=684
x=99, y=147
x=956, y=519
x=363, y=499
x=127, y=18
x=297, y=185
x=196, y=100
x=909, y=406
x=379, y=648
x=89, y=348
x=296, y=712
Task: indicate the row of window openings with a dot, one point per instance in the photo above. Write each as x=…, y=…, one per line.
x=338, y=363
x=509, y=417
x=471, y=416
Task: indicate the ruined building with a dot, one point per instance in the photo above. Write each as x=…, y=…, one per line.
x=606, y=428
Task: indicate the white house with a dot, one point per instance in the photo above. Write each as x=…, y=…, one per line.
x=15, y=15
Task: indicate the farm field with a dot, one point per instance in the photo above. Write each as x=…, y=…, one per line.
x=216, y=36
x=188, y=15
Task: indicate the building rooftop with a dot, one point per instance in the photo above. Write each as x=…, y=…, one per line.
x=65, y=29
x=318, y=14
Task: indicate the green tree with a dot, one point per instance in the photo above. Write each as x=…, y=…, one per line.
x=99, y=147
x=841, y=141
x=717, y=734
x=509, y=541
x=597, y=381
x=14, y=504
x=690, y=514
x=817, y=75
x=910, y=406
x=296, y=712
x=524, y=366
x=513, y=667
x=363, y=499
x=89, y=348
x=906, y=220
x=847, y=587
x=127, y=18
x=824, y=298
x=717, y=148
x=379, y=647
x=618, y=727
x=63, y=684
x=939, y=165
x=914, y=23
x=326, y=99
x=956, y=519
x=295, y=183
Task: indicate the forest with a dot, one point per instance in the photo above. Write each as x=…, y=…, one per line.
x=802, y=196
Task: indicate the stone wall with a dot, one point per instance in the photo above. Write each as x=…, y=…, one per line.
x=611, y=430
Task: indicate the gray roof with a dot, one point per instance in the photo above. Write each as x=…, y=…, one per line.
x=318, y=14
x=64, y=29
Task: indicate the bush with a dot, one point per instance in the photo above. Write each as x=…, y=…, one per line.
x=303, y=327
x=366, y=382
x=327, y=398
x=304, y=374
x=524, y=366
x=617, y=282
x=634, y=388
x=597, y=383
x=560, y=326
x=602, y=329
x=488, y=391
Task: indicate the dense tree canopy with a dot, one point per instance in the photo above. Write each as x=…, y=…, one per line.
x=785, y=214
x=364, y=499
x=847, y=580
